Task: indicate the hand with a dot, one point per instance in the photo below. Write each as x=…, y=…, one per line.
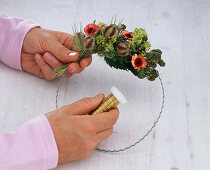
x=44, y=50
x=78, y=134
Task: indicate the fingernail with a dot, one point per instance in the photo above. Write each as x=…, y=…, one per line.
x=72, y=54
x=72, y=70
x=48, y=57
x=85, y=64
x=38, y=57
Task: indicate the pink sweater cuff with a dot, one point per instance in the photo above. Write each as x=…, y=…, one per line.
x=32, y=146
x=12, y=34
x=15, y=55
x=48, y=142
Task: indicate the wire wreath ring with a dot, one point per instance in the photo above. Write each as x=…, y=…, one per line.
x=140, y=139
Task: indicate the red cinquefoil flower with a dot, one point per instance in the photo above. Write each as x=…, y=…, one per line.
x=91, y=29
x=138, y=61
x=128, y=35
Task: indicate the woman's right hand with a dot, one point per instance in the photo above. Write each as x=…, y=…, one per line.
x=77, y=134
x=45, y=50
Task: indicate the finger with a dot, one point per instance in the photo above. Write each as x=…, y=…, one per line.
x=65, y=39
x=85, y=62
x=29, y=64
x=104, y=135
x=74, y=68
x=52, y=61
x=105, y=120
x=46, y=70
x=61, y=52
x=85, y=105
x=68, y=75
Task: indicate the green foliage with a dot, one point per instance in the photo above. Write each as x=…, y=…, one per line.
x=122, y=27
x=100, y=40
x=109, y=47
x=141, y=74
x=110, y=43
x=101, y=24
x=113, y=39
x=140, y=41
x=146, y=45
x=161, y=63
x=78, y=41
x=116, y=62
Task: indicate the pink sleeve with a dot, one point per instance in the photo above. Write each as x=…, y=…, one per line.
x=12, y=33
x=32, y=146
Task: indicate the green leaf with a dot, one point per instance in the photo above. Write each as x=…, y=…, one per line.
x=161, y=63
x=141, y=74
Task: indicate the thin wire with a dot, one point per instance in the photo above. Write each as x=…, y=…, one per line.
x=139, y=140
x=59, y=85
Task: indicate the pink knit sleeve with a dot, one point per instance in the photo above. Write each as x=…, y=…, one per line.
x=12, y=33
x=32, y=146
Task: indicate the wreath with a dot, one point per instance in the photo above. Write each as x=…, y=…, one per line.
x=121, y=49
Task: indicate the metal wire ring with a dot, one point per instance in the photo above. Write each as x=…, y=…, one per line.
x=140, y=139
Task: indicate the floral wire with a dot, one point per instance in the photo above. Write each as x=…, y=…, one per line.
x=140, y=139
x=147, y=133
x=59, y=85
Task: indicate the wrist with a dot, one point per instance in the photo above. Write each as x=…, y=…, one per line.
x=29, y=40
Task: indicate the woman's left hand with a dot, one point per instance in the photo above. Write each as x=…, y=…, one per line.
x=44, y=50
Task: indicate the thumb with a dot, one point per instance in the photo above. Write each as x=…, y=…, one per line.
x=85, y=105
x=61, y=52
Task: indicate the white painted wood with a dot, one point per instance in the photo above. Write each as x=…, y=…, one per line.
x=181, y=141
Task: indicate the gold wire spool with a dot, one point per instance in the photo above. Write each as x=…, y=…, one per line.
x=124, y=101
x=110, y=102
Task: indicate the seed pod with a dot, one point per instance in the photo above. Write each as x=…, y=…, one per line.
x=78, y=40
x=89, y=43
x=123, y=49
x=111, y=30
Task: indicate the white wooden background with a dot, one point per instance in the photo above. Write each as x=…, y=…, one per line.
x=181, y=29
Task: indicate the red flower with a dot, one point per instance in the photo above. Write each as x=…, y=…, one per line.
x=138, y=61
x=128, y=35
x=91, y=29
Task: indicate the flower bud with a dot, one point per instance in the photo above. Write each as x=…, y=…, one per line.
x=78, y=40
x=162, y=63
x=89, y=43
x=122, y=27
x=123, y=49
x=111, y=30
